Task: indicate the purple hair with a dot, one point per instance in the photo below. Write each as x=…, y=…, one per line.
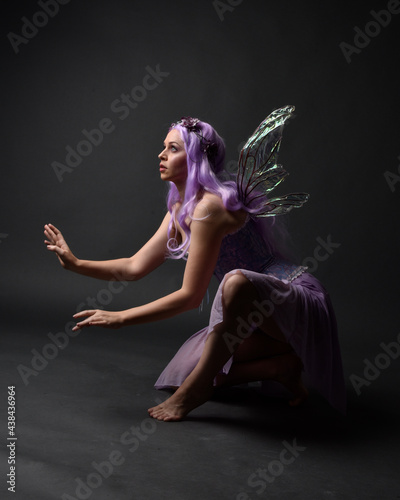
x=204, y=167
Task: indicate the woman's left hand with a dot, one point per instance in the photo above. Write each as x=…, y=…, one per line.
x=98, y=317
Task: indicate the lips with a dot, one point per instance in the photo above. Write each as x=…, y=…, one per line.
x=162, y=167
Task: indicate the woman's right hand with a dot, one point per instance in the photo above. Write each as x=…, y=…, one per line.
x=56, y=243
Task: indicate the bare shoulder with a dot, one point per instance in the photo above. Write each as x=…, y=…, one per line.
x=211, y=209
x=210, y=204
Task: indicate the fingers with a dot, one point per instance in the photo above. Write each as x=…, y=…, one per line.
x=82, y=314
x=87, y=322
x=53, y=228
x=96, y=317
x=55, y=248
x=80, y=325
x=54, y=239
x=51, y=232
x=49, y=228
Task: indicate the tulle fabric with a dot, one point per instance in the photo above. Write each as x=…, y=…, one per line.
x=303, y=311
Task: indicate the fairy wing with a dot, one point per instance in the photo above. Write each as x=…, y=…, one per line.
x=258, y=170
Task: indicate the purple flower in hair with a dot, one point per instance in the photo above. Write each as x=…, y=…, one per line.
x=210, y=149
x=189, y=122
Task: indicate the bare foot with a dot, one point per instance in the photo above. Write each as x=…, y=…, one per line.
x=180, y=404
x=289, y=375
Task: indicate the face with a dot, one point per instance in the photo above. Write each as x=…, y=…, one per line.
x=173, y=165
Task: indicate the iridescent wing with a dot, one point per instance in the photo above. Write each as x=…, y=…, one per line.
x=282, y=204
x=258, y=170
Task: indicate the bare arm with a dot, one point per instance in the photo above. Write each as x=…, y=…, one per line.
x=150, y=256
x=206, y=237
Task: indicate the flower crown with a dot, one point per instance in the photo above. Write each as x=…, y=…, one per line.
x=207, y=147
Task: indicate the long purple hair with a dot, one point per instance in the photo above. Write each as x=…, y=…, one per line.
x=205, y=174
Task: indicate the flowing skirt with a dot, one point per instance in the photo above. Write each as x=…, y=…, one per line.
x=303, y=311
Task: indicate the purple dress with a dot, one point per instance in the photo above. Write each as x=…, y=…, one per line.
x=296, y=300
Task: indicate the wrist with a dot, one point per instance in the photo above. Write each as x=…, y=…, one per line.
x=74, y=264
x=125, y=317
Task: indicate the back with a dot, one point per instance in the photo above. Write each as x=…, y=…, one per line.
x=246, y=249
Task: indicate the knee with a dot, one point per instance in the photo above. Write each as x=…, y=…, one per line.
x=237, y=290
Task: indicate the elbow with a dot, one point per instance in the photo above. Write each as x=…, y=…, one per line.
x=124, y=277
x=197, y=303
x=130, y=273
x=193, y=301
x=193, y=304
x=131, y=277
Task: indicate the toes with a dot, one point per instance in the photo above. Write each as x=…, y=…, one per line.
x=161, y=413
x=156, y=412
x=161, y=417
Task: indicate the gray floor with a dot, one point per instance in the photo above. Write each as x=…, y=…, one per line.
x=86, y=410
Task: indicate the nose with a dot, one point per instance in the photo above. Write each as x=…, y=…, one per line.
x=162, y=154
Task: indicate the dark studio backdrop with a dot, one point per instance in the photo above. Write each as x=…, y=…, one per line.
x=229, y=64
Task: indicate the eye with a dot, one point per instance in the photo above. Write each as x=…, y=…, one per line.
x=173, y=148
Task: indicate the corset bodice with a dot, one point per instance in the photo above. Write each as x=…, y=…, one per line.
x=246, y=249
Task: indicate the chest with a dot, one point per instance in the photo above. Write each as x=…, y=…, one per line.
x=177, y=231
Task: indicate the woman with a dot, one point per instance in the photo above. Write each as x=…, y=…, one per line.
x=270, y=319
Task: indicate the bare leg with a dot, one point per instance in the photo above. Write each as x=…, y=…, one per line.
x=239, y=295
x=262, y=357
x=284, y=368
x=198, y=386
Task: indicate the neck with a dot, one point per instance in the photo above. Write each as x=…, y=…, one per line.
x=181, y=190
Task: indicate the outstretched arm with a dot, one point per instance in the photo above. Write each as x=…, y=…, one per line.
x=150, y=256
x=206, y=237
